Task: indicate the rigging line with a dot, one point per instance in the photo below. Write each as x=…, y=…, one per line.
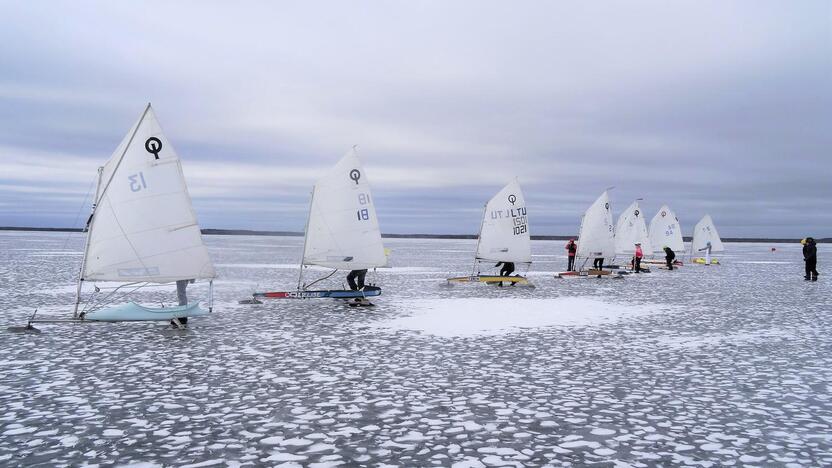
x=321, y=279
x=91, y=306
x=80, y=208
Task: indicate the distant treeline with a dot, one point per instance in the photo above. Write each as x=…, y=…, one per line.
x=247, y=232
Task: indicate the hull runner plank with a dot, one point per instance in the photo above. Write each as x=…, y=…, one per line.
x=132, y=312
x=488, y=279
x=327, y=293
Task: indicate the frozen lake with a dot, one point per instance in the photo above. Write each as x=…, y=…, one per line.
x=703, y=366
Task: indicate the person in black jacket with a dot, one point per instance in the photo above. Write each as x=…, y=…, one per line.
x=669, y=256
x=810, y=256
x=507, y=268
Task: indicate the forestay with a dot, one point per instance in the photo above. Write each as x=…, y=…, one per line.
x=342, y=230
x=665, y=231
x=144, y=227
x=630, y=229
x=705, y=232
x=504, y=236
x=596, y=238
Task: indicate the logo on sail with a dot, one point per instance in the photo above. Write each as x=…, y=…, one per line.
x=512, y=198
x=355, y=174
x=153, y=146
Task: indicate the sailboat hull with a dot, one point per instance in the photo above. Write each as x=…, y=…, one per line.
x=490, y=279
x=701, y=261
x=327, y=293
x=132, y=312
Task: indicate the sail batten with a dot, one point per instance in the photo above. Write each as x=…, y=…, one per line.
x=504, y=233
x=144, y=227
x=597, y=235
x=342, y=230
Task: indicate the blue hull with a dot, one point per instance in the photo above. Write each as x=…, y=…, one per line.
x=132, y=312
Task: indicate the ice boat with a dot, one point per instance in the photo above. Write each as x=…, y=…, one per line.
x=705, y=241
x=503, y=237
x=142, y=230
x=131, y=312
x=342, y=233
x=596, y=239
x=665, y=231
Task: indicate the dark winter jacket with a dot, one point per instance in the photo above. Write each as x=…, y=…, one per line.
x=810, y=250
x=669, y=254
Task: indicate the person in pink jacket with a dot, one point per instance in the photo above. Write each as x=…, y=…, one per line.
x=637, y=258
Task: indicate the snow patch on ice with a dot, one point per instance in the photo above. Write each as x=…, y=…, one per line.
x=481, y=316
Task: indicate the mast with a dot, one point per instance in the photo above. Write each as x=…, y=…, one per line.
x=305, y=237
x=86, y=246
x=479, y=235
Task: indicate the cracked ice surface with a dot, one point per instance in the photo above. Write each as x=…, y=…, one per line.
x=704, y=366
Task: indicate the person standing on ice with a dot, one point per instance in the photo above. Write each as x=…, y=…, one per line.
x=810, y=256
x=707, y=250
x=182, y=296
x=669, y=256
x=637, y=259
x=359, y=275
x=598, y=264
x=571, y=250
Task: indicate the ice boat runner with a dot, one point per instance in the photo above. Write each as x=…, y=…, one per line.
x=342, y=233
x=596, y=239
x=142, y=230
x=629, y=230
x=665, y=231
x=503, y=238
x=705, y=241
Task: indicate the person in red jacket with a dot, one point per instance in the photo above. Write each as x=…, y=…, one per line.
x=637, y=259
x=571, y=249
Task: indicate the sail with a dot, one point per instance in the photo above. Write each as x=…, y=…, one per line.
x=342, y=230
x=665, y=231
x=504, y=236
x=705, y=232
x=630, y=229
x=597, y=235
x=144, y=227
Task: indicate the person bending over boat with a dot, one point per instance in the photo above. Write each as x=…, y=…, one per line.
x=598, y=263
x=669, y=256
x=810, y=256
x=637, y=258
x=182, y=296
x=571, y=249
x=707, y=250
x=359, y=276
x=507, y=269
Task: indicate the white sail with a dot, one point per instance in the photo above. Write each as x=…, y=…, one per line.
x=597, y=235
x=504, y=236
x=665, y=231
x=630, y=229
x=342, y=230
x=705, y=232
x=144, y=227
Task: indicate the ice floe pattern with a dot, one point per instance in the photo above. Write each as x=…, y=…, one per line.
x=736, y=372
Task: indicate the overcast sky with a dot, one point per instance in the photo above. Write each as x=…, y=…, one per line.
x=720, y=107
